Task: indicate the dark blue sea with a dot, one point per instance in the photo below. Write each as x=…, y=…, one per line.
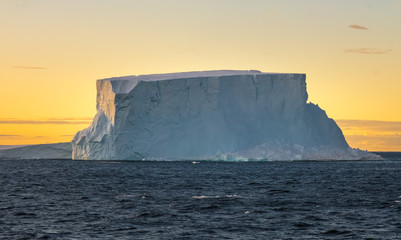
x=65, y=199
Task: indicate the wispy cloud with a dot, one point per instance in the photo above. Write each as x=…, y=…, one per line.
x=72, y=119
x=29, y=67
x=372, y=135
x=371, y=125
x=9, y=136
x=368, y=51
x=47, y=121
x=359, y=27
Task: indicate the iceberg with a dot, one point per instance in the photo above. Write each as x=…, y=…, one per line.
x=40, y=151
x=210, y=115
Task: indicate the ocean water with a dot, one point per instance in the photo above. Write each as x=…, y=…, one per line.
x=64, y=199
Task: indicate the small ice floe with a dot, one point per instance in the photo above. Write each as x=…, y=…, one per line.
x=204, y=197
x=397, y=203
x=216, y=196
x=232, y=196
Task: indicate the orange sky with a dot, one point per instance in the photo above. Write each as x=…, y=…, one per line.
x=53, y=52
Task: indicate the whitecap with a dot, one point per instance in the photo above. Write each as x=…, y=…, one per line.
x=232, y=196
x=204, y=197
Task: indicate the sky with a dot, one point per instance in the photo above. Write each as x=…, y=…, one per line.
x=53, y=51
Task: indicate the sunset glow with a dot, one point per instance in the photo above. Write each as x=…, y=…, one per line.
x=54, y=51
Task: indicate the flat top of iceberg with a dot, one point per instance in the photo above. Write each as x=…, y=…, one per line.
x=126, y=83
x=165, y=76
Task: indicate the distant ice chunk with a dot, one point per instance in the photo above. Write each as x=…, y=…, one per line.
x=40, y=151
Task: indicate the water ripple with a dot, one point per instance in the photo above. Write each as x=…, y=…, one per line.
x=46, y=199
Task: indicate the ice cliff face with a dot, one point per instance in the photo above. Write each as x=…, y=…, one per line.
x=200, y=115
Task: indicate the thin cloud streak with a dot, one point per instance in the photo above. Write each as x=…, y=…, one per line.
x=359, y=27
x=368, y=51
x=70, y=119
x=29, y=67
x=371, y=125
x=10, y=136
x=47, y=121
x=372, y=135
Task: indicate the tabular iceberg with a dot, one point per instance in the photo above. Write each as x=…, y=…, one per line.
x=227, y=115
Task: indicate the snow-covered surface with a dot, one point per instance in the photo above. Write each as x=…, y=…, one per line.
x=209, y=115
x=41, y=151
x=127, y=83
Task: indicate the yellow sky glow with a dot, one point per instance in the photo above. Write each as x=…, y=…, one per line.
x=53, y=52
